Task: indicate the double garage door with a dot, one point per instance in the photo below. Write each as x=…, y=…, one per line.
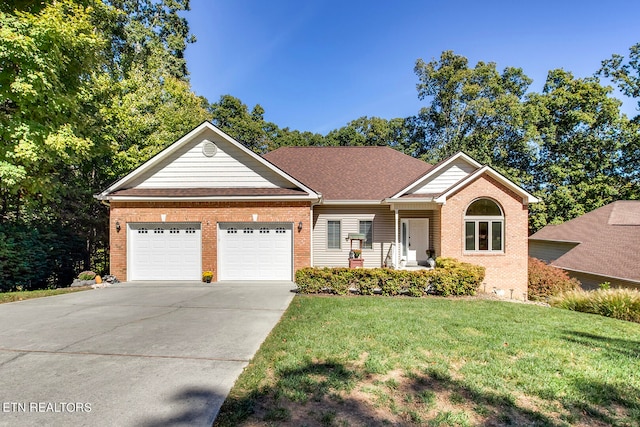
x=246, y=251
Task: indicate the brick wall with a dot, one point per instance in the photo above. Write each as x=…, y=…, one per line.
x=506, y=270
x=208, y=214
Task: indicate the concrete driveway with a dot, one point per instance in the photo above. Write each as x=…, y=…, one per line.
x=133, y=354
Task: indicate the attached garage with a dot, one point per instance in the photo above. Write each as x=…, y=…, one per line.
x=255, y=251
x=164, y=251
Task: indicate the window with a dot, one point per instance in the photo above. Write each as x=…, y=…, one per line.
x=174, y=230
x=264, y=230
x=281, y=230
x=158, y=230
x=143, y=231
x=248, y=230
x=484, y=227
x=366, y=228
x=333, y=234
x=190, y=230
x=232, y=230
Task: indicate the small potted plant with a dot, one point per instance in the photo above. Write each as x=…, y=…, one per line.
x=207, y=276
x=357, y=253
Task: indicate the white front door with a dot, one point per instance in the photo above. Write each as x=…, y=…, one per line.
x=414, y=237
x=255, y=251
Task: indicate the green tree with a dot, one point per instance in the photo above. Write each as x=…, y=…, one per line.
x=151, y=34
x=476, y=110
x=88, y=91
x=625, y=74
x=583, y=141
x=45, y=61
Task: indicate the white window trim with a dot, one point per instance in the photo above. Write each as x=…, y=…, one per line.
x=372, y=231
x=339, y=248
x=477, y=219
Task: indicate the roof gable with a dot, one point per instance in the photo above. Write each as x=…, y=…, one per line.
x=205, y=158
x=451, y=175
x=350, y=173
x=441, y=177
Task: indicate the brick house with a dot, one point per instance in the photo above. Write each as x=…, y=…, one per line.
x=208, y=203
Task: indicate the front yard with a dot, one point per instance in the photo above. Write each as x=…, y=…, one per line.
x=363, y=361
x=22, y=295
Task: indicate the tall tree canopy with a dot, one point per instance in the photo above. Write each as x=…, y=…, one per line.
x=625, y=74
x=88, y=91
x=476, y=110
x=583, y=141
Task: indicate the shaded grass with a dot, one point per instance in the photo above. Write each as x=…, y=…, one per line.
x=434, y=361
x=23, y=295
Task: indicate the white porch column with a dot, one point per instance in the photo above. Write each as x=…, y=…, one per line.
x=396, y=258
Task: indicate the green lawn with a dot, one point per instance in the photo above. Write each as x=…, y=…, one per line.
x=22, y=295
x=441, y=362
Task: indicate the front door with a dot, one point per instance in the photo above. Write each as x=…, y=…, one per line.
x=415, y=240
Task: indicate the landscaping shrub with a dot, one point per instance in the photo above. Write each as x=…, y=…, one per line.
x=449, y=278
x=546, y=281
x=87, y=275
x=623, y=304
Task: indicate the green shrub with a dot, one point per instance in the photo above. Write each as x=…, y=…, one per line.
x=449, y=278
x=623, y=304
x=87, y=275
x=546, y=281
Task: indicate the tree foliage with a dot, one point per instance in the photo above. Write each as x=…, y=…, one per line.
x=582, y=146
x=478, y=110
x=625, y=74
x=88, y=91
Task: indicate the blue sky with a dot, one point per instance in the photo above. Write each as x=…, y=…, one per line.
x=316, y=65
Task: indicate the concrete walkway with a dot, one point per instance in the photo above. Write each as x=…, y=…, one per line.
x=133, y=354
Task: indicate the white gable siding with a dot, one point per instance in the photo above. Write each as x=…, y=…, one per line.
x=230, y=167
x=445, y=178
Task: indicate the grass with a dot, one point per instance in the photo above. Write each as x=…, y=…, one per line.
x=23, y=295
x=361, y=361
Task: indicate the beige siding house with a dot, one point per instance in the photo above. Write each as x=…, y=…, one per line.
x=600, y=246
x=410, y=210
x=208, y=203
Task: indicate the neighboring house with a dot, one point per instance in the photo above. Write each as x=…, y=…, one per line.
x=208, y=203
x=600, y=246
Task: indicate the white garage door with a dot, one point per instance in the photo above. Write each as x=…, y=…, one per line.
x=255, y=251
x=164, y=251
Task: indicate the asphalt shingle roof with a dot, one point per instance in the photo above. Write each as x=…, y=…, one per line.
x=608, y=237
x=350, y=173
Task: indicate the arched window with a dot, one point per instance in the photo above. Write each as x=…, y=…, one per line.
x=484, y=227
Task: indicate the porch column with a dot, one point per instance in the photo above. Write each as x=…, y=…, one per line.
x=397, y=248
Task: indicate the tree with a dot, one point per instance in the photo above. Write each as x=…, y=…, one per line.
x=476, y=110
x=88, y=91
x=625, y=75
x=45, y=61
x=583, y=143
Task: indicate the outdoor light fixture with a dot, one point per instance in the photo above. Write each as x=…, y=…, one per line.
x=300, y=226
x=118, y=226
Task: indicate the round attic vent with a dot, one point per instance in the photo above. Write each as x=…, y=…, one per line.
x=209, y=149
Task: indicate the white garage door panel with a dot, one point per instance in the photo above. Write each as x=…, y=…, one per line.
x=255, y=251
x=164, y=251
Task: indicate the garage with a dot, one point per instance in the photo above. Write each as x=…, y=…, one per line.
x=255, y=251
x=164, y=251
